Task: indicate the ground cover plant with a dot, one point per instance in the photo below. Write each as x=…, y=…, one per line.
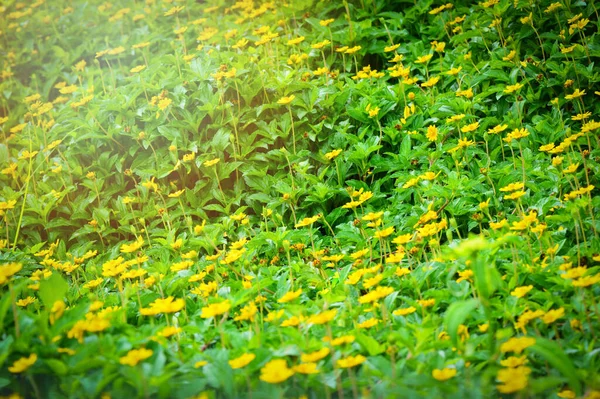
x=305, y=199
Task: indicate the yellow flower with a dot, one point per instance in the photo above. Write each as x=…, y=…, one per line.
x=424, y=58
x=373, y=112
x=470, y=127
x=571, y=168
x=286, y=100
x=321, y=71
x=176, y=194
x=290, y=296
x=8, y=270
x=68, y=351
x=431, y=81
x=276, y=371
x=137, y=69
x=388, y=49
x=454, y=71
x=351, y=361
x=295, y=41
x=176, y=244
x=552, y=315
x=586, y=281
x=18, y=128
x=320, y=45
x=404, y=311
x=512, y=88
x=173, y=10
x=402, y=271
x=517, y=344
x=26, y=301
x=464, y=275
x=443, y=374
x=167, y=305
x=455, y=118
x=93, y=283
x=215, y=309
x=200, y=363
x=351, y=50
x=306, y=368
x=332, y=154
x=68, y=89
x=566, y=393
x=402, y=239
x=576, y=94
x=307, y=221
x=240, y=43
x=140, y=45
x=520, y=292
x=35, y=97
x=183, y=265
x=368, y=323
x=292, y=321
x=552, y=7
x=314, y=356
x=498, y=225
x=323, y=317
x=164, y=103
x=438, y=46
x=23, y=364
x=384, y=233
x=497, y=129
x=515, y=195
x=129, y=248
x=199, y=228
x=485, y=204
x=375, y=295
x=346, y=339
x=547, y=147
x=468, y=93
x=242, y=361
x=514, y=361
x=513, y=187
x=326, y=22
x=211, y=162
x=395, y=257
x=181, y=31
x=526, y=19
x=426, y=303
x=27, y=155
x=513, y=379
x=168, y=331
x=432, y=133
x=135, y=356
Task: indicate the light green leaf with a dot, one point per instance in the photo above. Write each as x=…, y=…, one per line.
x=553, y=354
x=456, y=314
x=370, y=344
x=53, y=289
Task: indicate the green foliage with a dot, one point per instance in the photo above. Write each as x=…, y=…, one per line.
x=331, y=199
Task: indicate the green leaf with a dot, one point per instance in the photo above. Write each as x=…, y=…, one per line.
x=405, y=147
x=370, y=344
x=553, y=354
x=6, y=301
x=5, y=349
x=56, y=366
x=53, y=289
x=456, y=314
